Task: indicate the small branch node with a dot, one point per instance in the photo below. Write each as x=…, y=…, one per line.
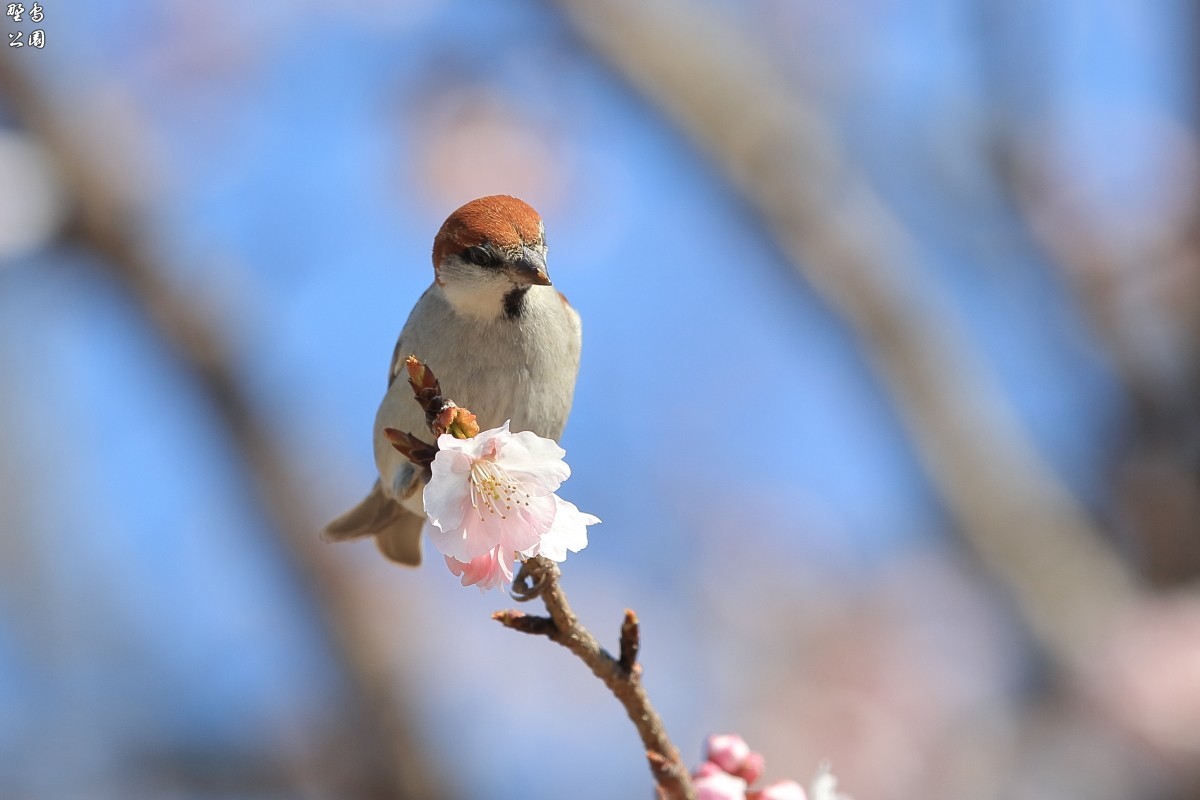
x=671, y=778
x=519, y=621
x=630, y=643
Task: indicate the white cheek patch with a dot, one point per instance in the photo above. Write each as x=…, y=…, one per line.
x=474, y=290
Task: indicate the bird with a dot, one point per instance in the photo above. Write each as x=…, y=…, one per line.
x=503, y=342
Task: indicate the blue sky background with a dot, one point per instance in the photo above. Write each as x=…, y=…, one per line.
x=290, y=164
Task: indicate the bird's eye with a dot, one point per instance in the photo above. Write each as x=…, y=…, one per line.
x=479, y=256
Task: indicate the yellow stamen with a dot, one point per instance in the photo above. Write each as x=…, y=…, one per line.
x=497, y=491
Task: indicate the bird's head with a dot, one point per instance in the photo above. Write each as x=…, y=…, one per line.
x=489, y=253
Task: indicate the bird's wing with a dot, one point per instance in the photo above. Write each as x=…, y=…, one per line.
x=397, y=530
x=404, y=343
x=372, y=515
x=398, y=356
x=401, y=541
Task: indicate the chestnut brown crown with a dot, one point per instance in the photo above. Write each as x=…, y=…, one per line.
x=498, y=222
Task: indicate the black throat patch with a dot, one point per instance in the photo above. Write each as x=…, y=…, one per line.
x=514, y=302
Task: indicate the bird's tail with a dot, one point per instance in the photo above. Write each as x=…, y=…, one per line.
x=397, y=530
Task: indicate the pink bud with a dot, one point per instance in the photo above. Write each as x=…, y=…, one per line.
x=783, y=790
x=752, y=768
x=728, y=751
x=713, y=783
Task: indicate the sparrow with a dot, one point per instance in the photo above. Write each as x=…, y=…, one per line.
x=503, y=342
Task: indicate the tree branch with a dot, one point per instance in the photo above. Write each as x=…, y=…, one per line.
x=539, y=577
x=389, y=757
x=1139, y=288
x=841, y=238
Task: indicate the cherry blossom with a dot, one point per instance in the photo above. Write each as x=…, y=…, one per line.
x=491, y=500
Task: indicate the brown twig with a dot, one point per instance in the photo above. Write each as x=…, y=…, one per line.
x=621, y=676
x=412, y=448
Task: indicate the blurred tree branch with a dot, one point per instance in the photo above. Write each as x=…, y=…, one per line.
x=382, y=747
x=1140, y=289
x=724, y=93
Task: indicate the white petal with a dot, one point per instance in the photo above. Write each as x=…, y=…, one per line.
x=480, y=441
x=534, y=461
x=448, y=493
x=569, y=531
x=452, y=543
x=824, y=786
x=449, y=444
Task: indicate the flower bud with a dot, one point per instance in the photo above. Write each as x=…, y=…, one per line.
x=458, y=422
x=713, y=783
x=419, y=375
x=728, y=751
x=752, y=768
x=412, y=448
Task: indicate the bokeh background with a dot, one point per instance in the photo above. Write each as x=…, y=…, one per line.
x=888, y=398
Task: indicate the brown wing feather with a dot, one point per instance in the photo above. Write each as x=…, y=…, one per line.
x=375, y=513
x=401, y=542
x=397, y=530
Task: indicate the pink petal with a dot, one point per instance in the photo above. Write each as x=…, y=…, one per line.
x=489, y=571
x=519, y=529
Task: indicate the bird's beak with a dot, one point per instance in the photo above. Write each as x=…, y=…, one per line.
x=529, y=267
